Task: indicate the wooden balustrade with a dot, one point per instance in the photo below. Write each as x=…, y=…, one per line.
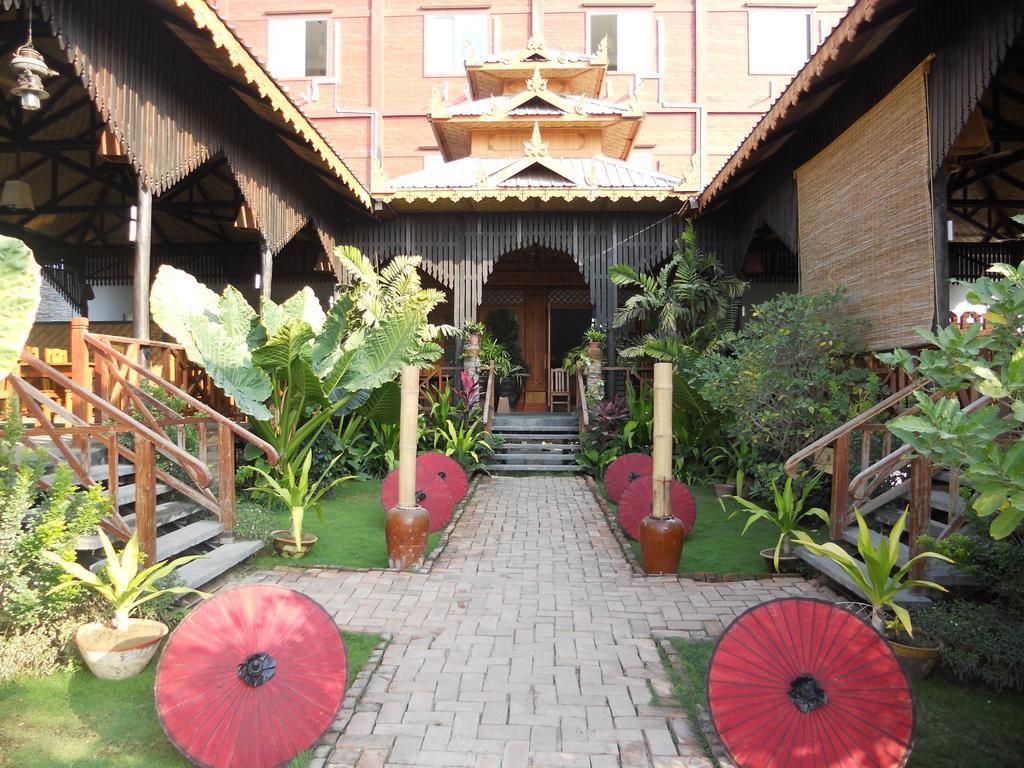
x=584, y=415
x=489, y=394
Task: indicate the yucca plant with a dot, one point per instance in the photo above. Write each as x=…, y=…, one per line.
x=879, y=580
x=121, y=583
x=787, y=516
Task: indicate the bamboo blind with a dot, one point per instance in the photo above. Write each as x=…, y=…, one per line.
x=865, y=218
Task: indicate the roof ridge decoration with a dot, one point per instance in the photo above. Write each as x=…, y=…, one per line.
x=438, y=109
x=535, y=147
x=536, y=83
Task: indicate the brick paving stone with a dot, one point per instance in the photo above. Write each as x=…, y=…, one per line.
x=529, y=642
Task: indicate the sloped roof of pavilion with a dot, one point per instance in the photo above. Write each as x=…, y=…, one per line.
x=582, y=72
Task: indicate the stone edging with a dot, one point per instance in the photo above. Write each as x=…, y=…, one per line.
x=718, y=752
x=326, y=744
x=637, y=568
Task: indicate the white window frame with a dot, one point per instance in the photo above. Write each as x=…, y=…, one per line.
x=329, y=49
x=459, y=65
x=647, y=68
x=806, y=13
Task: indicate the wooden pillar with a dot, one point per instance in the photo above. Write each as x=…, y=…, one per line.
x=939, y=218
x=920, y=513
x=81, y=373
x=840, y=485
x=266, y=269
x=141, y=280
x=408, y=434
x=662, y=476
x=145, y=497
x=225, y=479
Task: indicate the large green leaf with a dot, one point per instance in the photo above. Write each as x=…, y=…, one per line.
x=175, y=299
x=329, y=343
x=20, y=280
x=381, y=356
x=284, y=346
x=383, y=404
x=227, y=360
x=304, y=305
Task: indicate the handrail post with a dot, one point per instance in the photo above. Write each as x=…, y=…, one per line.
x=225, y=479
x=840, y=485
x=145, y=497
x=81, y=376
x=920, y=513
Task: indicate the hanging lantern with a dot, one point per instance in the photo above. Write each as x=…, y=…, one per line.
x=16, y=195
x=245, y=218
x=29, y=69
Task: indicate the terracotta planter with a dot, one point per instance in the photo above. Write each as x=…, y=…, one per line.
x=406, y=530
x=113, y=654
x=787, y=563
x=594, y=349
x=661, y=544
x=917, y=655
x=474, y=339
x=284, y=543
x=725, y=489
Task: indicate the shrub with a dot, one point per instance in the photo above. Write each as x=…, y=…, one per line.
x=254, y=521
x=790, y=379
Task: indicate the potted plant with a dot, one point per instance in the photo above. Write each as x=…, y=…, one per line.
x=595, y=339
x=300, y=496
x=787, y=516
x=121, y=647
x=880, y=579
x=736, y=455
x=473, y=330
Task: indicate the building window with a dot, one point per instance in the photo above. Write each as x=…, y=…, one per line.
x=629, y=39
x=780, y=41
x=297, y=48
x=445, y=39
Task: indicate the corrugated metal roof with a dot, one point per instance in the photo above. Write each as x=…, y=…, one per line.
x=480, y=107
x=467, y=172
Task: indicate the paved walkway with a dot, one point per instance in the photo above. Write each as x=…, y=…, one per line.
x=529, y=643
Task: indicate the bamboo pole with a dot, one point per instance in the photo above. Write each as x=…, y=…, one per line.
x=407, y=436
x=662, y=476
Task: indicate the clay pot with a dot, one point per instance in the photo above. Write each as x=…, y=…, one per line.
x=113, y=654
x=725, y=489
x=787, y=563
x=661, y=543
x=474, y=339
x=406, y=530
x=917, y=656
x=594, y=349
x=284, y=543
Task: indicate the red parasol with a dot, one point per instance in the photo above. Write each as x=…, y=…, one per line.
x=448, y=469
x=802, y=683
x=638, y=500
x=431, y=494
x=251, y=677
x=624, y=471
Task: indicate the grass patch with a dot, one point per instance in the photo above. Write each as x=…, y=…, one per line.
x=351, y=534
x=956, y=726
x=74, y=719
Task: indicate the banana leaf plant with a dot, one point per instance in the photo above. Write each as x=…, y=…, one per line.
x=291, y=368
x=20, y=280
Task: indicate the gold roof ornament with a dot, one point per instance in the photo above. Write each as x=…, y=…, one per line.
x=563, y=57
x=535, y=43
x=471, y=57
x=601, y=55
x=481, y=175
x=378, y=176
x=591, y=177
x=493, y=108
x=580, y=107
x=535, y=147
x=536, y=83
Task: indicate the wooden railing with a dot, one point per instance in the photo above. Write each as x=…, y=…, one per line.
x=581, y=410
x=489, y=395
x=440, y=377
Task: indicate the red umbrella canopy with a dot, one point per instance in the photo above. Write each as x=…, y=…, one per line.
x=624, y=471
x=448, y=469
x=251, y=677
x=431, y=494
x=802, y=683
x=638, y=500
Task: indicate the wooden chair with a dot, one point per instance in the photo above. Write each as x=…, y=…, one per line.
x=560, y=393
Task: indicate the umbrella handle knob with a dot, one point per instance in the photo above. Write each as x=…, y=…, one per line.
x=257, y=669
x=806, y=694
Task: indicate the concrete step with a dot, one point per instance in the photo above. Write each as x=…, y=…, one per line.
x=540, y=445
x=180, y=540
x=935, y=570
x=126, y=493
x=888, y=516
x=226, y=556
x=832, y=569
x=101, y=472
x=534, y=468
x=555, y=420
x=568, y=427
x=546, y=459
x=166, y=513
x=550, y=437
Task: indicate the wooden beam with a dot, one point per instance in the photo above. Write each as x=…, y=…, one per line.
x=140, y=281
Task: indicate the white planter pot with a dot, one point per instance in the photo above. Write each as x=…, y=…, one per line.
x=115, y=655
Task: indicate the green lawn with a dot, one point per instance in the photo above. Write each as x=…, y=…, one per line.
x=715, y=544
x=956, y=726
x=74, y=719
x=351, y=535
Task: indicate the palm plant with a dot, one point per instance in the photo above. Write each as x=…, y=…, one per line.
x=879, y=579
x=688, y=305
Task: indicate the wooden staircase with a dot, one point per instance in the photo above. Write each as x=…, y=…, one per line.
x=883, y=488
x=113, y=418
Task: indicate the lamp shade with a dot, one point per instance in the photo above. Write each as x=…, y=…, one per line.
x=17, y=195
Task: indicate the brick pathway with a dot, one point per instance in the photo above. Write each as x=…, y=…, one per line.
x=529, y=642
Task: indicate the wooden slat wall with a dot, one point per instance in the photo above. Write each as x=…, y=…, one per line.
x=172, y=115
x=460, y=251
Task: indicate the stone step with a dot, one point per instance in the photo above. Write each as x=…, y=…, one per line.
x=536, y=421
x=180, y=540
x=533, y=468
x=226, y=556
x=551, y=437
x=166, y=513
x=832, y=569
x=535, y=458
x=126, y=493
x=888, y=516
x=100, y=472
x=540, y=445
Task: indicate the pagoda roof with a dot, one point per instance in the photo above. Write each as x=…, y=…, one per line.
x=583, y=72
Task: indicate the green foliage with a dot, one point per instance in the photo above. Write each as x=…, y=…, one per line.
x=120, y=582
x=689, y=306
x=254, y=521
x=595, y=459
x=20, y=281
x=987, y=444
x=638, y=431
x=790, y=379
x=382, y=454
x=787, y=516
x=452, y=426
x=983, y=643
x=881, y=578
x=603, y=441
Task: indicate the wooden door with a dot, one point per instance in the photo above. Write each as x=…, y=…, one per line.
x=535, y=347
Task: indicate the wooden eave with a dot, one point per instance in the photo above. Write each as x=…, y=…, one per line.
x=487, y=78
x=199, y=27
x=491, y=199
